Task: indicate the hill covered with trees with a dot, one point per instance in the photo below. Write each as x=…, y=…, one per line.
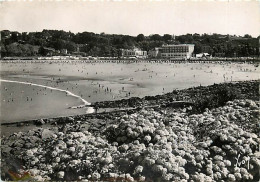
x=91, y=44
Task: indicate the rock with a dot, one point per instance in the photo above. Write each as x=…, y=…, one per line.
x=46, y=134
x=61, y=174
x=6, y=150
x=50, y=120
x=39, y=122
x=61, y=120
x=95, y=176
x=70, y=119
x=138, y=169
x=29, y=153
x=20, y=124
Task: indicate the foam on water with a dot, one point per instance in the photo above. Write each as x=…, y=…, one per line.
x=86, y=103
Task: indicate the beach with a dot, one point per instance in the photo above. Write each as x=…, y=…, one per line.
x=96, y=82
x=140, y=122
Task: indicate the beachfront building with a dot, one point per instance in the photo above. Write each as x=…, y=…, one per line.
x=203, y=55
x=155, y=53
x=133, y=53
x=181, y=51
x=48, y=51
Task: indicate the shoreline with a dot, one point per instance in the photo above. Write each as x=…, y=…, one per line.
x=51, y=88
x=156, y=60
x=178, y=94
x=177, y=99
x=105, y=82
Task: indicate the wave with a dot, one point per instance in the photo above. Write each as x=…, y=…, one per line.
x=86, y=103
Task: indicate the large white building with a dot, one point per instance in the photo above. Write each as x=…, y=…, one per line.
x=136, y=52
x=181, y=51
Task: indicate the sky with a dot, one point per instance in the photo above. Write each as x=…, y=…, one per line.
x=132, y=18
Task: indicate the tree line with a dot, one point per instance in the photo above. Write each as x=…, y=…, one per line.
x=91, y=44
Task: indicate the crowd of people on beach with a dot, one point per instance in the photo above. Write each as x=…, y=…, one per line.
x=100, y=89
x=154, y=141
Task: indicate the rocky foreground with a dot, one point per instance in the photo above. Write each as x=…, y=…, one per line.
x=202, y=97
x=150, y=144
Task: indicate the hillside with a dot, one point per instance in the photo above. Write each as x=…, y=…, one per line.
x=91, y=44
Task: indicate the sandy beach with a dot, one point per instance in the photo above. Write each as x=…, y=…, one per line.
x=96, y=82
x=155, y=122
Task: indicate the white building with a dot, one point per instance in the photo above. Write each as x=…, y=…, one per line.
x=181, y=51
x=203, y=55
x=136, y=52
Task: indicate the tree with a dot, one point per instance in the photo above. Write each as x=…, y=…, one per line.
x=42, y=51
x=24, y=36
x=70, y=46
x=155, y=37
x=167, y=37
x=14, y=36
x=102, y=44
x=247, y=36
x=129, y=41
x=59, y=44
x=197, y=48
x=3, y=52
x=181, y=39
x=140, y=38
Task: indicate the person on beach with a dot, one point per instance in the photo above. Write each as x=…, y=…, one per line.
x=96, y=108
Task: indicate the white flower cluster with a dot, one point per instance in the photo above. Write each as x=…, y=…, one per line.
x=147, y=146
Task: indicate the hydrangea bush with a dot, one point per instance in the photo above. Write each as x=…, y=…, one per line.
x=218, y=145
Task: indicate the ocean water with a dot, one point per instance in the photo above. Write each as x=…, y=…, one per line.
x=42, y=90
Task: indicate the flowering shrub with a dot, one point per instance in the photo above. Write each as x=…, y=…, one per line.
x=146, y=146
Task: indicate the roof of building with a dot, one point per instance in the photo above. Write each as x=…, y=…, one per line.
x=49, y=49
x=173, y=45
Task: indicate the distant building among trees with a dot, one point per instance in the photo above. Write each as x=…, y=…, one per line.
x=179, y=51
x=134, y=53
x=54, y=42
